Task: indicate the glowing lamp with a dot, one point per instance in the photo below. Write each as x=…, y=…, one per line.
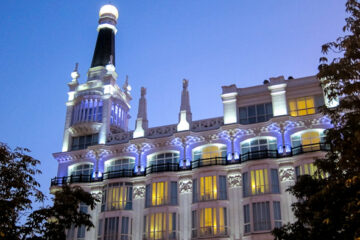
x=109, y=9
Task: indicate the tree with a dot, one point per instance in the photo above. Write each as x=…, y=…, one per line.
x=18, y=189
x=328, y=207
x=52, y=222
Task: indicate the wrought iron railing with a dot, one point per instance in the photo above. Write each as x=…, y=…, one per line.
x=210, y=232
x=204, y=162
x=310, y=148
x=174, y=167
x=163, y=235
x=165, y=167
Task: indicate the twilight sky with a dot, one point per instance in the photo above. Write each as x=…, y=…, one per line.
x=159, y=42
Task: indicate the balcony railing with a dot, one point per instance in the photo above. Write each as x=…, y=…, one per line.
x=165, y=167
x=310, y=148
x=204, y=162
x=161, y=235
x=174, y=167
x=210, y=232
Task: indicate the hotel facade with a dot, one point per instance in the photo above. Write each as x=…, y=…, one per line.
x=219, y=178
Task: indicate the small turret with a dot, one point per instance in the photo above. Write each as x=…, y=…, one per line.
x=141, y=124
x=185, y=116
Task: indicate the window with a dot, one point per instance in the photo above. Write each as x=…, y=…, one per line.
x=111, y=228
x=88, y=110
x=258, y=148
x=117, y=196
x=307, y=168
x=164, y=158
x=212, y=222
x=83, y=142
x=208, y=188
x=81, y=230
x=99, y=232
x=118, y=116
x=212, y=151
x=275, y=188
x=261, y=216
x=259, y=182
x=255, y=113
x=120, y=164
x=307, y=141
x=305, y=105
x=126, y=230
x=209, y=155
x=247, y=218
x=157, y=194
x=160, y=226
x=277, y=214
x=81, y=172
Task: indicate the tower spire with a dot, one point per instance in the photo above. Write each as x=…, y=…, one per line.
x=105, y=43
x=185, y=116
x=141, y=122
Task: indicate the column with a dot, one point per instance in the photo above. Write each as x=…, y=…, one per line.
x=185, y=200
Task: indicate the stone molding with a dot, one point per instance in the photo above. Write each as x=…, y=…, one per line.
x=139, y=192
x=185, y=185
x=287, y=174
x=234, y=180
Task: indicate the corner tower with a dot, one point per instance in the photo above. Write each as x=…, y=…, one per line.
x=99, y=106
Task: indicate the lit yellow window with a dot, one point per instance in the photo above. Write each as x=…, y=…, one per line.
x=117, y=197
x=308, y=168
x=302, y=106
x=211, y=152
x=310, y=141
x=157, y=225
x=208, y=188
x=159, y=194
x=212, y=221
x=259, y=181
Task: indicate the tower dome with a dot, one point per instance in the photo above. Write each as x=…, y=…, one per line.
x=107, y=10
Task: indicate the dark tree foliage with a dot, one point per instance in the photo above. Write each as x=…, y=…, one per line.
x=51, y=223
x=329, y=207
x=18, y=189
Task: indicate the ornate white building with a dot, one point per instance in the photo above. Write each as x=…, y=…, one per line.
x=222, y=178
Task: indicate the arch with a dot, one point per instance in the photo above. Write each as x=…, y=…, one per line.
x=206, y=151
x=118, y=164
x=258, y=147
x=163, y=157
x=83, y=168
x=307, y=140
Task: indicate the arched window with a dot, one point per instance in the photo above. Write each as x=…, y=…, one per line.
x=257, y=148
x=81, y=172
x=123, y=167
x=120, y=164
x=209, y=155
x=307, y=141
x=160, y=162
x=164, y=158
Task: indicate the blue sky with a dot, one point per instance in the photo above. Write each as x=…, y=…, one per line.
x=159, y=42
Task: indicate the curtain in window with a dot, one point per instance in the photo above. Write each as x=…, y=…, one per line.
x=195, y=192
x=208, y=188
x=111, y=228
x=259, y=181
x=275, y=181
x=222, y=188
x=173, y=193
x=277, y=214
x=261, y=216
x=247, y=218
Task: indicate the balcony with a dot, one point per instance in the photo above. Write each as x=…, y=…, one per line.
x=210, y=232
x=165, y=167
x=309, y=148
x=175, y=167
x=161, y=235
x=208, y=162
